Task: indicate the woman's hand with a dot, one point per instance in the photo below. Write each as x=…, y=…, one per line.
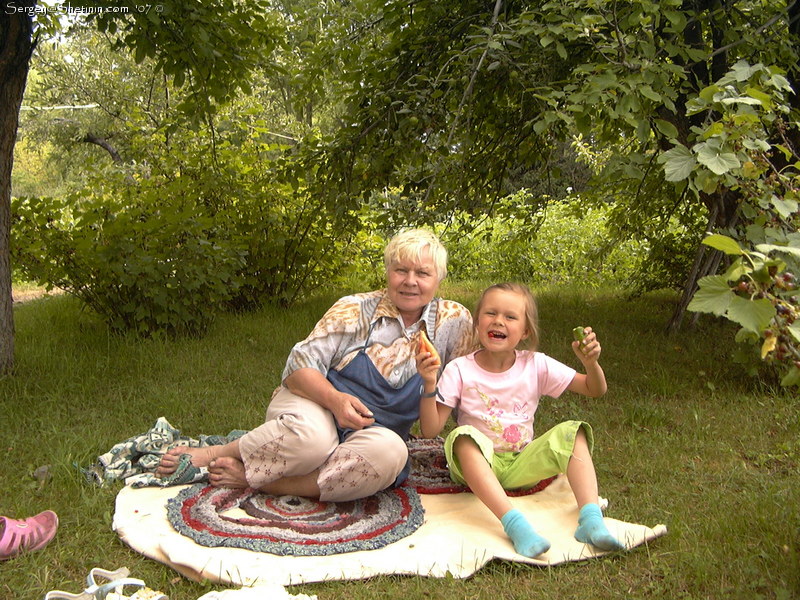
x=349, y=411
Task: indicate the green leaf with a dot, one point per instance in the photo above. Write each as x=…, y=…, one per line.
x=706, y=181
x=753, y=315
x=179, y=79
x=767, y=248
x=668, y=129
x=677, y=18
x=723, y=243
x=762, y=275
x=139, y=54
x=742, y=71
x=786, y=152
x=746, y=337
x=764, y=99
x=716, y=128
x=794, y=329
x=643, y=131
x=785, y=208
x=717, y=161
x=606, y=79
x=742, y=100
x=791, y=378
x=583, y=123
x=709, y=92
x=737, y=270
x=780, y=82
x=678, y=163
x=650, y=93
x=714, y=296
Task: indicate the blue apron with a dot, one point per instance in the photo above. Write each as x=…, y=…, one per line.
x=394, y=408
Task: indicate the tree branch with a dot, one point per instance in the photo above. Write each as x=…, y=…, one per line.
x=90, y=138
x=467, y=92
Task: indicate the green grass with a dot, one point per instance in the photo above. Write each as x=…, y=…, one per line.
x=682, y=438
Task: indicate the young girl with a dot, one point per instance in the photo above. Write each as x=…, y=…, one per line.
x=495, y=391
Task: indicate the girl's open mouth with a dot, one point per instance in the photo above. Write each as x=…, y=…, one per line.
x=497, y=335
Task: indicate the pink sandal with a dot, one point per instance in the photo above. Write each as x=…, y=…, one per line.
x=27, y=535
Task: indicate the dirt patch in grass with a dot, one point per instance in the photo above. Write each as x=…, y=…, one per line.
x=28, y=293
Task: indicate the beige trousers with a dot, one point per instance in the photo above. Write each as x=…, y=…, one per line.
x=299, y=436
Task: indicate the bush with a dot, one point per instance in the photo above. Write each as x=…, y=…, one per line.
x=199, y=227
x=147, y=266
x=564, y=242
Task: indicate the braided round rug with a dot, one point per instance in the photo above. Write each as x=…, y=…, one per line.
x=291, y=525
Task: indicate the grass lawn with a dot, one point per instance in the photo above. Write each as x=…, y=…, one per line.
x=682, y=438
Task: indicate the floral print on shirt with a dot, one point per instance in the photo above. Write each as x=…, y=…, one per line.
x=510, y=427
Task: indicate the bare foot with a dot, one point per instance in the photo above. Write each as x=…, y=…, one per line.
x=201, y=457
x=227, y=472
x=294, y=485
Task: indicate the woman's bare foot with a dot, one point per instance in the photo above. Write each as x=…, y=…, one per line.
x=227, y=472
x=294, y=485
x=201, y=457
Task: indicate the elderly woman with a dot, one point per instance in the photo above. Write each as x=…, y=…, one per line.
x=336, y=428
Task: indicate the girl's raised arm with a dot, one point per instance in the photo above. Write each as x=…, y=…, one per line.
x=593, y=383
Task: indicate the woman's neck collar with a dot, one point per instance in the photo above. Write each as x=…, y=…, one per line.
x=409, y=320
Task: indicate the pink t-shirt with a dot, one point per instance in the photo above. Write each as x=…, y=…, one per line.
x=502, y=405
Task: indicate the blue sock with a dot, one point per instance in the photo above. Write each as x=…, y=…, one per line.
x=526, y=541
x=592, y=529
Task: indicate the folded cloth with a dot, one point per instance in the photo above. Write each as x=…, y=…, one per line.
x=136, y=459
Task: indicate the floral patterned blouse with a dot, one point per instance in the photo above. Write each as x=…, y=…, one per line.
x=343, y=330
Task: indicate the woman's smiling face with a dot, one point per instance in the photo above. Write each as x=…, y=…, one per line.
x=411, y=285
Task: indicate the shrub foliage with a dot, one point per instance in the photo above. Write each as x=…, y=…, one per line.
x=184, y=240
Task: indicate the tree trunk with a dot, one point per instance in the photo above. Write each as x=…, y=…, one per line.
x=723, y=213
x=16, y=46
x=793, y=71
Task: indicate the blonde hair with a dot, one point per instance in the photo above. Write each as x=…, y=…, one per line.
x=531, y=311
x=409, y=244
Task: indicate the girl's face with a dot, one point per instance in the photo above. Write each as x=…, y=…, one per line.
x=501, y=320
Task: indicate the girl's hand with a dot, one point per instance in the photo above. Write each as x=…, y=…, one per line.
x=587, y=350
x=428, y=368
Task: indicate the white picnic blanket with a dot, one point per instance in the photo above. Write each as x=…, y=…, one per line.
x=458, y=537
